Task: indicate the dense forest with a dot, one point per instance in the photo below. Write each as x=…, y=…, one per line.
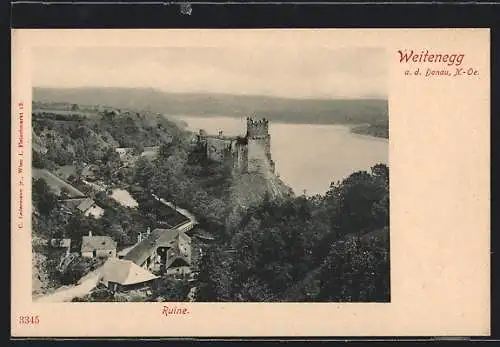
x=330, y=247
x=333, y=247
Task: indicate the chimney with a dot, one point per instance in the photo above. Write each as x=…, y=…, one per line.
x=90, y=233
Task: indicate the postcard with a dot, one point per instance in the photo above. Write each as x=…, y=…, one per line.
x=218, y=183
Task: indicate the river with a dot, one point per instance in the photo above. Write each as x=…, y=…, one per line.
x=307, y=156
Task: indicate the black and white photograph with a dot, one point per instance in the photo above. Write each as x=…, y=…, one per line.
x=210, y=174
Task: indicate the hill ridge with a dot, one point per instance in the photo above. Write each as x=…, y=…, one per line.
x=276, y=109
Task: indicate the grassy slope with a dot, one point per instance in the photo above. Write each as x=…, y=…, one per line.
x=57, y=184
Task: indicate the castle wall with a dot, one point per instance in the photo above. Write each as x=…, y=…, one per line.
x=240, y=156
x=259, y=156
x=251, y=153
x=259, y=146
x=218, y=148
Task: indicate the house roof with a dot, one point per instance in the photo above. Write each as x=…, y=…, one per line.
x=89, y=170
x=66, y=171
x=86, y=204
x=124, y=272
x=149, y=154
x=178, y=209
x=178, y=256
x=180, y=253
x=60, y=243
x=72, y=203
x=158, y=237
x=90, y=243
x=55, y=183
x=123, y=149
x=124, y=251
x=202, y=234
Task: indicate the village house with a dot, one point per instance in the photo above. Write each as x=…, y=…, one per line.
x=126, y=154
x=129, y=154
x=98, y=246
x=89, y=208
x=120, y=275
x=185, y=226
x=150, y=153
x=163, y=250
x=169, y=216
x=38, y=147
x=63, y=244
x=122, y=253
x=90, y=173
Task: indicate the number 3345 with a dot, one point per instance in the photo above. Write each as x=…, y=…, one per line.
x=29, y=320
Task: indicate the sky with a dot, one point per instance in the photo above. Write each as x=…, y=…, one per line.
x=295, y=72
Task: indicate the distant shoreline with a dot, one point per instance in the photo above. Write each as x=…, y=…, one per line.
x=372, y=130
x=370, y=136
x=365, y=130
x=275, y=109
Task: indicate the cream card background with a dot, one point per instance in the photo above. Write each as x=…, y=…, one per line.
x=439, y=155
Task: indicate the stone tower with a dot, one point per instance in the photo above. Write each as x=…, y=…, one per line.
x=259, y=146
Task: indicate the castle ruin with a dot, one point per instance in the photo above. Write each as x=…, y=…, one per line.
x=249, y=153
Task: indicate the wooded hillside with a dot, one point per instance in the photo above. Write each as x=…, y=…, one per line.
x=331, y=247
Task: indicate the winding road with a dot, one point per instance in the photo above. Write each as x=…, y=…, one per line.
x=68, y=293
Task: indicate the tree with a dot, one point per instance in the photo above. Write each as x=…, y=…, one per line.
x=138, y=148
x=111, y=157
x=207, y=287
x=356, y=270
x=144, y=172
x=255, y=290
x=38, y=160
x=118, y=234
x=64, y=194
x=172, y=290
x=381, y=211
x=45, y=200
x=167, y=149
x=352, y=202
x=381, y=171
x=214, y=281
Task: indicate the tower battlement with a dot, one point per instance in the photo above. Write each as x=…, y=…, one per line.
x=257, y=128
